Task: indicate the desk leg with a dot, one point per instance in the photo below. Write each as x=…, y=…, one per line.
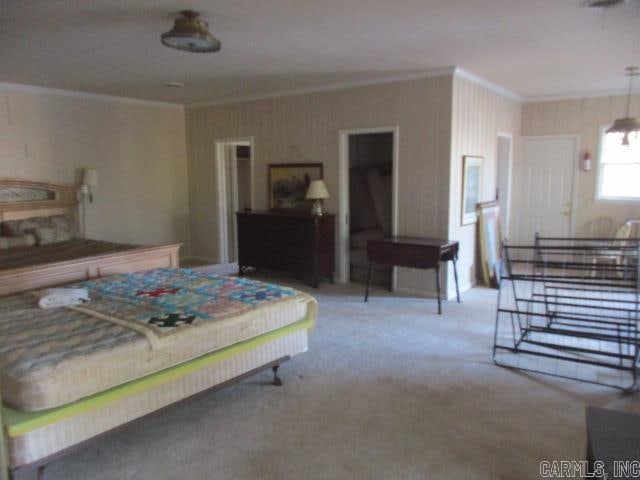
x=366, y=293
x=455, y=275
x=438, y=288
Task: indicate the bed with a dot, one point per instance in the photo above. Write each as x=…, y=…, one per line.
x=165, y=334
x=27, y=267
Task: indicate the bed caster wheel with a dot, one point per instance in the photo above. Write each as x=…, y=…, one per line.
x=277, y=381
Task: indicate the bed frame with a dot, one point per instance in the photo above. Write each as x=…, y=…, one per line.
x=35, y=470
x=20, y=199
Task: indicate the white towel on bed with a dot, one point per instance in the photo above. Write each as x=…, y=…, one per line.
x=61, y=297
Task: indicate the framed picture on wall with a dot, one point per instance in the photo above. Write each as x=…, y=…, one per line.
x=471, y=187
x=288, y=184
x=490, y=242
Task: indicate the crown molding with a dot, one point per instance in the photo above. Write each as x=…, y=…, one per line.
x=576, y=96
x=439, y=72
x=494, y=87
x=92, y=96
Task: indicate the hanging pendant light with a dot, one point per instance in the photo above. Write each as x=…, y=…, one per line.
x=190, y=34
x=627, y=124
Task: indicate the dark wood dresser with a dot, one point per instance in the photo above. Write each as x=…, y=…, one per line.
x=298, y=243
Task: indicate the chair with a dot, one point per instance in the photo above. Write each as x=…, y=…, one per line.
x=619, y=260
x=600, y=227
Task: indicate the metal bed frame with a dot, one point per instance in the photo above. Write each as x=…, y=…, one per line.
x=570, y=307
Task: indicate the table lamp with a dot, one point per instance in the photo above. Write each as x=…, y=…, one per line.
x=317, y=192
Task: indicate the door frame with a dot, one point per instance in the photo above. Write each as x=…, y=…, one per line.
x=221, y=189
x=574, y=179
x=343, y=194
x=507, y=213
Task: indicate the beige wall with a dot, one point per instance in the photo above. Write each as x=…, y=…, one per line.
x=305, y=128
x=584, y=117
x=139, y=149
x=478, y=115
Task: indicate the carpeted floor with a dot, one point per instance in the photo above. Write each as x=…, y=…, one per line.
x=388, y=390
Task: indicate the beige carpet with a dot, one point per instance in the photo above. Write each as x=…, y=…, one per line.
x=388, y=390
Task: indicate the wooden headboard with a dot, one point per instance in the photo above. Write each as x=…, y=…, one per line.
x=21, y=199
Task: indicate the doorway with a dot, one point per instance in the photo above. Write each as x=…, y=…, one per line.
x=504, y=162
x=368, y=200
x=234, y=164
x=544, y=188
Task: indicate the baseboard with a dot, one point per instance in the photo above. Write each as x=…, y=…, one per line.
x=219, y=268
x=199, y=259
x=432, y=293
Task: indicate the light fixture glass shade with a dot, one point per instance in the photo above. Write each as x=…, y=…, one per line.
x=191, y=34
x=317, y=190
x=625, y=126
x=90, y=177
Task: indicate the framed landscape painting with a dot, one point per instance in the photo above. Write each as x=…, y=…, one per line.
x=288, y=184
x=471, y=187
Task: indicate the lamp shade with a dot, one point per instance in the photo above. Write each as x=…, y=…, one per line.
x=90, y=177
x=317, y=190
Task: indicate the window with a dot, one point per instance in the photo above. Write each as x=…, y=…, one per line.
x=619, y=169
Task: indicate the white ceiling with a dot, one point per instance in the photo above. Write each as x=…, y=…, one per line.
x=531, y=47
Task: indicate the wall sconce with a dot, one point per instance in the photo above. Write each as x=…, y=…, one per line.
x=89, y=181
x=585, y=162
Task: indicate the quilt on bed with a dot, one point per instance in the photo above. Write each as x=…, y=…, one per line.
x=49, y=357
x=166, y=303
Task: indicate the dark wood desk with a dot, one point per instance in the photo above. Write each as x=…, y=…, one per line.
x=413, y=252
x=292, y=242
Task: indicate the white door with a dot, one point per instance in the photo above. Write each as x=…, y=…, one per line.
x=542, y=193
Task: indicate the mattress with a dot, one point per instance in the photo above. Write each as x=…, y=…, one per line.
x=50, y=358
x=36, y=435
x=58, y=252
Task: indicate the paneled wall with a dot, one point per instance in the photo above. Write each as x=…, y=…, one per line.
x=478, y=115
x=139, y=149
x=305, y=128
x=584, y=117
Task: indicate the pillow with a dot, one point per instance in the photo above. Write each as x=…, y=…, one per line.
x=48, y=235
x=27, y=240
x=13, y=228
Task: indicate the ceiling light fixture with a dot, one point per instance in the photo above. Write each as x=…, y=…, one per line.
x=627, y=124
x=190, y=34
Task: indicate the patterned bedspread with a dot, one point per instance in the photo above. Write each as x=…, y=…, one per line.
x=159, y=304
x=164, y=303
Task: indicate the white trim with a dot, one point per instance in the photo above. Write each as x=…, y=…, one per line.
x=507, y=213
x=92, y=96
x=223, y=234
x=440, y=72
x=494, y=87
x=574, y=180
x=433, y=293
x=574, y=96
x=437, y=72
x=343, y=195
x=198, y=258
